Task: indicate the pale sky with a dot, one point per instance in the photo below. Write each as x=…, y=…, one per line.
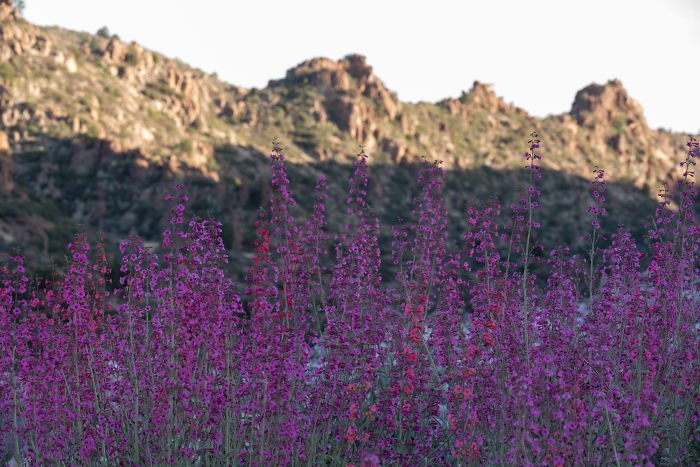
x=536, y=53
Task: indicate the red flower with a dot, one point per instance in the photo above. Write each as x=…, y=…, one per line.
x=351, y=433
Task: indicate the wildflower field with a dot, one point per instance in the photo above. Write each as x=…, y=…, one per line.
x=465, y=357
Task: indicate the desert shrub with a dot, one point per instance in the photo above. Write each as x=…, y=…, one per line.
x=131, y=57
x=104, y=32
x=7, y=73
x=186, y=146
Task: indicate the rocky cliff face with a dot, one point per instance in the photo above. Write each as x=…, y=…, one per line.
x=94, y=131
x=352, y=97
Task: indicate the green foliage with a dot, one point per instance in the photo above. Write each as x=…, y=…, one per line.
x=111, y=90
x=164, y=122
x=619, y=125
x=131, y=57
x=7, y=73
x=307, y=138
x=92, y=130
x=124, y=131
x=157, y=90
x=104, y=32
x=186, y=146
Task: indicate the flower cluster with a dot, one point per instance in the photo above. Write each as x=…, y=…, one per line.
x=463, y=357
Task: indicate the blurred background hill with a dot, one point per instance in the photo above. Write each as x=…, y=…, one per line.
x=95, y=131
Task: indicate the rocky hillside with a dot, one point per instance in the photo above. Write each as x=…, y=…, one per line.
x=94, y=132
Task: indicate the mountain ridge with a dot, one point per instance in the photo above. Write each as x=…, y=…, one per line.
x=94, y=131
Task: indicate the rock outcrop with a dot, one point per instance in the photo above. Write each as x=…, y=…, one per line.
x=19, y=38
x=7, y=11
x=606, y=104
x=355, y=100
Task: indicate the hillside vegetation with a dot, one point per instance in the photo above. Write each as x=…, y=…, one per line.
x=94, y=131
